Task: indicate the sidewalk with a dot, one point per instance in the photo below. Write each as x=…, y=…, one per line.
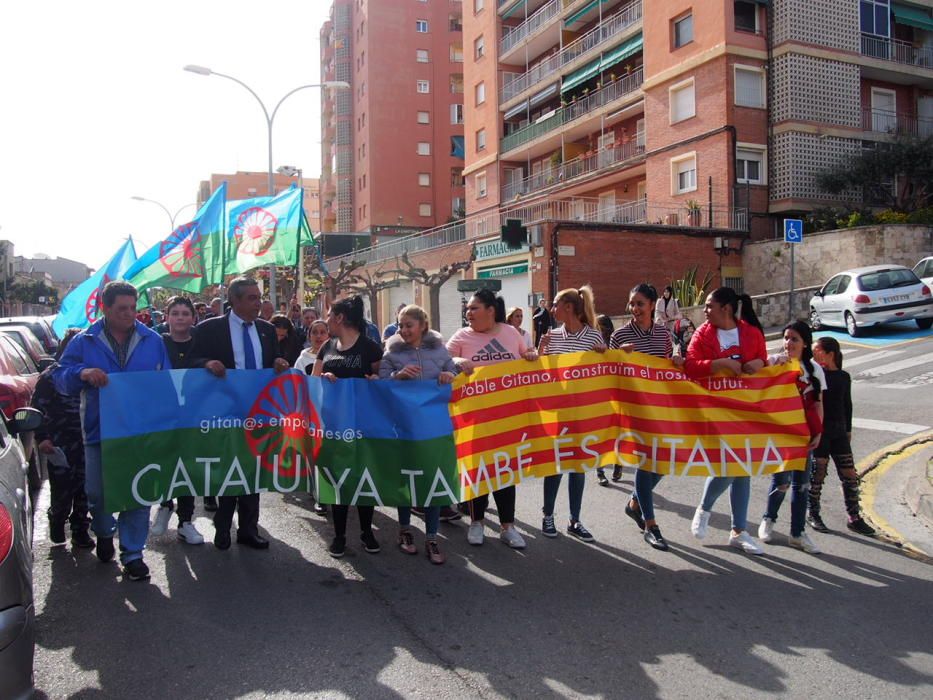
x=919, y=487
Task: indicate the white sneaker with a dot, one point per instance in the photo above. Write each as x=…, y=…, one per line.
x=745, y=542
x=700, y=523
x=160, y=524
x=512, y=538
x=805, y=543
x=766, y=530
x=189, y=533
x=475, y=533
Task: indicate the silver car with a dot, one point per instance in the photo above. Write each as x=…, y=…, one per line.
x=17, y=612
x=866, y=296
x=924, y=270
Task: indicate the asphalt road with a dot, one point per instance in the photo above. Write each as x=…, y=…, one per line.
x=561, y=619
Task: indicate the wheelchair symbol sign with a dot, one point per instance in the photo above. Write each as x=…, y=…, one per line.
x=793, y=230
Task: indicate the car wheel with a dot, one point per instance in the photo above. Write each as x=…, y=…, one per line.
x=851, y=327
x=924, y=324
x=815, y=322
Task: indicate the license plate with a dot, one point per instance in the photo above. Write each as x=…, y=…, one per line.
x=896, y=298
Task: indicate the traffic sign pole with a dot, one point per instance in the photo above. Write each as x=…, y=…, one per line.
x=790, y=311
x=793, y=234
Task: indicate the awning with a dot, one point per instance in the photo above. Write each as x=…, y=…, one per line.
x=581, y=75
x=582, y=11
x=520, y=108
x=913, y=16
x=503, y=271
x=540, y=97
x=608, y=59
x=511, y=10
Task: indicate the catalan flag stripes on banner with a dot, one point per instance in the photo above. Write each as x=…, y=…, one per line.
x=580, y=411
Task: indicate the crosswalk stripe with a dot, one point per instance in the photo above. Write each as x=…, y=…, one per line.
x=880, y=355
x=892, y=367
x=871, y=424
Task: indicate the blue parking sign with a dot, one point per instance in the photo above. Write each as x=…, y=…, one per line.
x=793, y=230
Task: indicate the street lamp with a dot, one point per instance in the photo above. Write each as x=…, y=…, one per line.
x=270, y=118
x=292, y=171
x=171, y=216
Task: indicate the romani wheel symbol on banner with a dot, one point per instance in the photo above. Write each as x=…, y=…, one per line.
x=180, y=253
x=255, y=231
x=285, y=400
x=91, y=307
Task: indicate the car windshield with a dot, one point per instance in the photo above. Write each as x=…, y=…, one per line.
x=886, y=279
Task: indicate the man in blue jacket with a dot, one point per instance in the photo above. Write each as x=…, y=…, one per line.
x=115, y=343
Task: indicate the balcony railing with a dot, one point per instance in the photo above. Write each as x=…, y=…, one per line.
x=572, y=169
x=514, y=84
x=531, y=25
x=897, y=51
x=585, y=209
x=564, y=115
x=882, y=121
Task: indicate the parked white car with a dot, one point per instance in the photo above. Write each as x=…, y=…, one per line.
x=866, y=296
x=924, y=270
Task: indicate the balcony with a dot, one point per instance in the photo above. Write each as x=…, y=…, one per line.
x=879, y=121
x=530, y=26
x=516, y=83
x=619, y=89
x=897, y=51
x=575, y=169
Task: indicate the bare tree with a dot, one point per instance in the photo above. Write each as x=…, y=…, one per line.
x=335, y=282
x=370, y=285
x=433, y=281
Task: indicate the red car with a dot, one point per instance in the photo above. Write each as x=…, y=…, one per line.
x=18, y=376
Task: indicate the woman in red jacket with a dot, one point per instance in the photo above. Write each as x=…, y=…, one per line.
x=730, y=341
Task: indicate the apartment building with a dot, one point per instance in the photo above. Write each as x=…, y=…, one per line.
x=393, y=143
x=637, y=139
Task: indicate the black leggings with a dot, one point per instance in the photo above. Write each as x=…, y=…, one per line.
x=505, y=502
x=340, y=518
x=836, y=446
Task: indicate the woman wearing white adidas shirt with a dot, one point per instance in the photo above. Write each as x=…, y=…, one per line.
x=574, y=309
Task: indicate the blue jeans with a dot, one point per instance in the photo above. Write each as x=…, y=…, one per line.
x=800, y=481
x=738, y=496
x=432, y=519
x=644, y=491
x=134, y=524
x=577, y=481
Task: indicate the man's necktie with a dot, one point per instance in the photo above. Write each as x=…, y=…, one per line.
x=249, y=354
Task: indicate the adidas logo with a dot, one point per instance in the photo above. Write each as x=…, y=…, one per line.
x=492, y=352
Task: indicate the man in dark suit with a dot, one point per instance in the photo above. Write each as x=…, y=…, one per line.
x=238, y=340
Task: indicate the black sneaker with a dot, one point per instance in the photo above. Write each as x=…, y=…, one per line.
x=581, y=533
x=601, y=477
x=654, y=537
x=320, y=509
x=449, y=515
x=136, y=570
x=81, y=539
x=547, y=526
x=617, y=473
x=370, y=544
x=105, y=549
x=816, y=523
x=57, y=534
x=338, y=547
x=636, y=516
x=861, y=527
x=210, y=503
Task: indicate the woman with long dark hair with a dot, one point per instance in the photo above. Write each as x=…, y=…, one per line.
x=731, y=340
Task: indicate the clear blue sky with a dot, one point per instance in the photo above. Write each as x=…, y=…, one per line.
x=96, y=108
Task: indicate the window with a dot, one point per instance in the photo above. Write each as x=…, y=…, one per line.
x=363, y=150
x=749, y=87
x=479, y=47
x=684, y=173
x=875, y=17
x=683, y=30
x=421, y=26
x=424, y=148
x=750, y=165
x=424, y=117
x=456, y=53
x=456, y=83
x=424, y=179
x=424, y=87
x=456, y=177
x=456, y=114
x=481, y=140
x=480, y=182
x=478, y=5
x=424, y=209
x=683, y=104
x=746, y=16
x=480, y=93
x=421, y=55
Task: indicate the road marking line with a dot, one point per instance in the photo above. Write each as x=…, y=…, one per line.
x=895, y=386
x=905, y=428
x=40, y=527
x=892, y=367
x=880, y=355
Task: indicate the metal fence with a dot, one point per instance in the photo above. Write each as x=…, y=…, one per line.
x=897, y=51
x=883, y=121
x=536, y=21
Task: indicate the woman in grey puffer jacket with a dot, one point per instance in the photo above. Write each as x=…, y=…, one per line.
x=416, y=352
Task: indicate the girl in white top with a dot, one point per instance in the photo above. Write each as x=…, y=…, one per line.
x=514, y=318
x=317, y=336
x=667, y=310
x=574, y=309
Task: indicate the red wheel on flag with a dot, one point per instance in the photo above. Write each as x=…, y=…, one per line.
x=255, y=231
x=284, y=421
x=180, y=253
x=91, y=306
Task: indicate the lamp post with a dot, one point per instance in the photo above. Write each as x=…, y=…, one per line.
x=270, y=118
x=291, y=171
x=171, y=216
